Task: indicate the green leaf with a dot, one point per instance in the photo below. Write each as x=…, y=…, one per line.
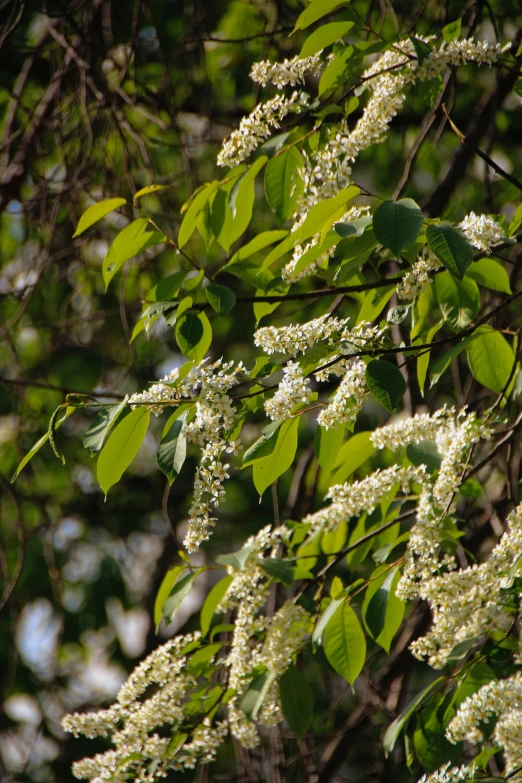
x=344, y=643
x=241, y=202
x=397, y=224
x=324, y=36
x=236, y=559
x=424, y=359
x=194, y=281
x=262, y=240
x=267, y=470
x=178, y=594
x=254, y=696
x=394, y=729
x=132, y=240
x=327, y=444
x=264, y=446
x=95, y=212
x=333, y=75
x=173, y=449
x=282, y=570
x=459, y=300
x=422, y=49
x=324, y=214
x=324, y=619
x=424, y=453
x=451, y=31
x=193, y=335
x=352, y=455
x=431, y=746
x=382, y=611
x=315, y=11
x=169, y=580
x=386, y=383
x=198, y=202
x=516, y=222
x=146, y=191
x=121, y=448
x=451, y=247
x=220, y=298
x=446, y=360
x=491, y=359
x=212, y=602
x=97, y=433
x=39, y=443
x=297, y=701
x=491, y=274
x=282, y=185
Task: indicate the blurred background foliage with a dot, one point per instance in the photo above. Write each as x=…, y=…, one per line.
x=97, y=99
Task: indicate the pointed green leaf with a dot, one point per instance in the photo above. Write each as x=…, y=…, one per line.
x=264, y=446
x=459, y=300
x=236, y=559
x=147, y=190
x=386, y=383
x=198, y=202
x=424, y=453
x=99, y=430
x=422, y=49
x=324, y=619
x=382, y=611
x=451, y=31
x=39, y=443
x=394, y=729
x=121, y=448
x=344, y=643
x=397, y=224
x=267, y=470
x=212, y=602
x=220, y=298
x=279, y=569
x=173, y=449
x=352, y=455
x=168, y=582
x=451, y=248
x=178, y=594
x=95, y=212
x=315, y=11
x=516, y=222
x=297, y=701
x=324, y=36
x=283, y=186
x=132, y=240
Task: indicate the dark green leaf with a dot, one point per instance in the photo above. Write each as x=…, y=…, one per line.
x=422, y=49
x=282, y=570
x=236, y=559
x=97, y=433
x=193, y=335
x=220, y=298
x=459, y=300
x=282, y=184
x=424, y=453
x=394, y=729
x=451, y=248
x=297, y=701
x=173, y=449
x=397, y=224
x=386, y=383
x=382, y=611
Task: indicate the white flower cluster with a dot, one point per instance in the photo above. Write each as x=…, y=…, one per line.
x=133, y=721
x=258, y=126
x=214, y=419
x=481, y=230
x=503, y=699
x=350, y=500
x=299, y=338
x=288, y=72
x=472, y=601
x=449, y=774
x=293, y=389
x=417, y=277
x=454, y=434
x=348, y=398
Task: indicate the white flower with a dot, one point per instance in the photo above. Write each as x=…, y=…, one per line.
x=292, y=390
x=481, y=230
x=288, y=72
x=347, y=400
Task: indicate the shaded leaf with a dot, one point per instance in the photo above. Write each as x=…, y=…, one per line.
x=397, y=224
x=297, y=701
x=97, y=433
x=386, y=383
x=451, y=248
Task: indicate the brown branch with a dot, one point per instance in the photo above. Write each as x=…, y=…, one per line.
x=10, y=586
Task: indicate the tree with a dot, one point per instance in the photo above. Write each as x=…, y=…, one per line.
x=366, y=534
